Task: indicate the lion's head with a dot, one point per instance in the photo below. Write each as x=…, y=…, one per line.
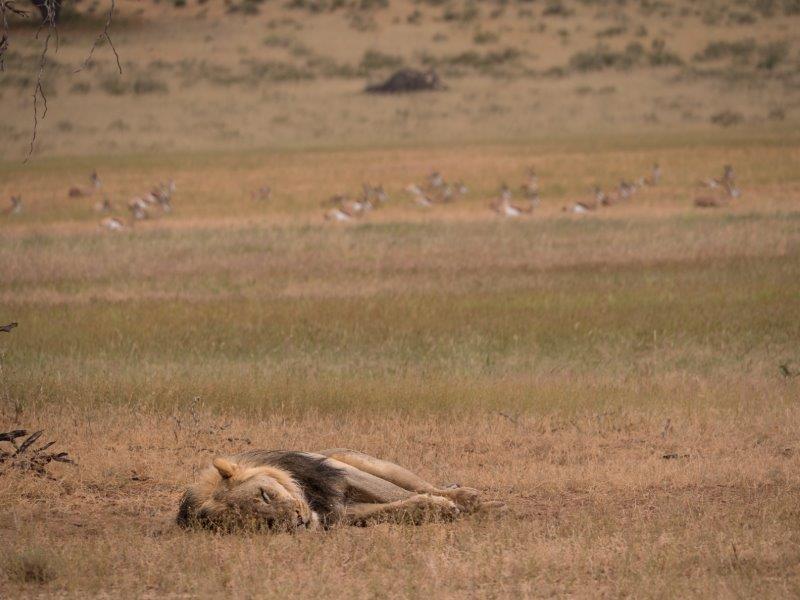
x=230, y=496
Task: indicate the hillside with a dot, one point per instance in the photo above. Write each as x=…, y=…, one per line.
x=207, y=76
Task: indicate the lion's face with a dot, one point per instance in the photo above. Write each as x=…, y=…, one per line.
x=255, y=498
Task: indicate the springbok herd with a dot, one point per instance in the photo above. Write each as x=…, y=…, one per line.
x=721, y=192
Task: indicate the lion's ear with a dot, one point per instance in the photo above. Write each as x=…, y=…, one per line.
x=225, y=467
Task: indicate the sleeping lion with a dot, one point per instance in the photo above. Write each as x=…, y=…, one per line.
x=285, y=491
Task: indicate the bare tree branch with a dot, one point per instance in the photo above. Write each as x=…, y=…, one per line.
x=104, y=35
x=38, y=90
x=6, y=7
x=50, y=11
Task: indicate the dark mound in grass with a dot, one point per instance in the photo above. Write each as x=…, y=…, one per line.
x=408, y=80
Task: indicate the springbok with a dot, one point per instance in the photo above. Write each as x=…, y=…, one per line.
x=601, y=198
x=262, y=193
x=506, y=208
x=727, y=179
x=104, y=206
x=625, y=190
x=435, y=180
x=584, y=206
x=338, y=214
x=138, y=208
x=79, y=192
x=16, y=206
x=420, y=197
x=112, y=224
x=655, y=175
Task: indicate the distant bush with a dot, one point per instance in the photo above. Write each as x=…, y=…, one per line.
x=556, y=8
x=81, y=87
x=611, y=31
x=147, y=85
x=277, y=41
x=740, y=51
x=374, y=60
x=415, y=17
x=634, y=55
x=277, y=71
x=114, y=86
x=741, y=18
x=372, y=4
x=727, y=118
x=31, y=566
x=776, y=114
x=477, y=60
x=485, y=37
x=469, y=12
x=772, y=54
x=246, y=7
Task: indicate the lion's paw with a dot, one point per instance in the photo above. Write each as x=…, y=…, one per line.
x=436, y=508
x=467, y=499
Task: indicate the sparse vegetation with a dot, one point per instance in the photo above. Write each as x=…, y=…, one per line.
x=634, y=55
x=374, y=60
x=29, y=566
x=727, y=118
x=626, y=379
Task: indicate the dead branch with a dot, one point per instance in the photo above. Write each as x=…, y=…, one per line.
x=25, y=456
x=49, y=10
x=104, y=35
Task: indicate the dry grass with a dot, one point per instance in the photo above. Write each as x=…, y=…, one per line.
x=552, y=362
x=196, y=79
x=537, y=360
x=594, y=508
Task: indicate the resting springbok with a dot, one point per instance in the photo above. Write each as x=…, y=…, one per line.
x=420, y=197
x=79, y=192
x=112, y=224
x=506, y=208
x=16, y=206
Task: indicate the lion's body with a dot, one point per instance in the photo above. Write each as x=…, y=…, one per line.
x=288, y=490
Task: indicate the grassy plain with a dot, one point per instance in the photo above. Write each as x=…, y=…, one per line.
x=552, y=361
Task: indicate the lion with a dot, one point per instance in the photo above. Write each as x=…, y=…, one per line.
x=282, y=490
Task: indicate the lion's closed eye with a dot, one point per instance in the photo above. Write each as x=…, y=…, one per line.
x=265, y=497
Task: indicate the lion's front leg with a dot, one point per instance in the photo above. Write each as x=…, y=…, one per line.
x=418, y=509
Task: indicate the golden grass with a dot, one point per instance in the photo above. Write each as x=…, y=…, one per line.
x=594, y=508
x=552, y=362
x=213, y=99
x=537, y=360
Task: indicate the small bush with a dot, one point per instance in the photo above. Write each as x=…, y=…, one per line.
x=146, y=85
x=114, y=86
x=633, y=55
x=741, y=18
x=556, y=8
x=414, y=18
x=81, y=87
x=727, y=118
x=277, y=41
x=31, y=566
x=611, y=31
x=485, y=37
x=277, y=71
x=469, y=12
x=739, y=51
x=776, y=114
x=374, y=60
x=772, y=54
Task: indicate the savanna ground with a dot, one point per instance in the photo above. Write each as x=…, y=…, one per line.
x=552, y=362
